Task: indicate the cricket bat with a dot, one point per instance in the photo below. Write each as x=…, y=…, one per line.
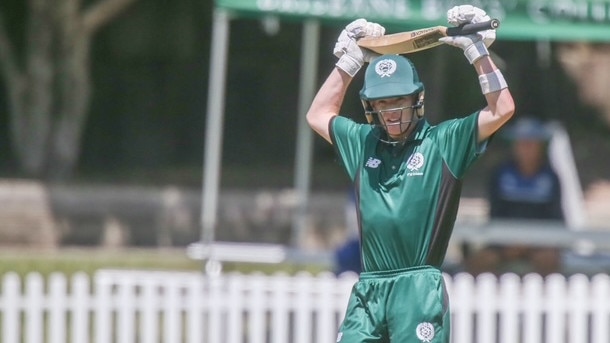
x=422, y=39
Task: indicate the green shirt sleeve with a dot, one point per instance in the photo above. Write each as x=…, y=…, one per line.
x=348, y=139
x=457, y=141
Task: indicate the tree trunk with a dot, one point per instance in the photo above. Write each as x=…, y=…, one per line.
x=33, y=103
x=72, y=90
x=49, y=94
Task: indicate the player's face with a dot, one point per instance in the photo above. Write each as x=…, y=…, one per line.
x=396, y=115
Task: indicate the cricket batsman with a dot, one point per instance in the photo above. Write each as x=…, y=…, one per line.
x=407, y=175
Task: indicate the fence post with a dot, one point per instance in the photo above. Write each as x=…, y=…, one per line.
x=235, y=299
x=125, y=322
x=600, y=295
x=510, y=306
x=463, y=308
x=555, y=308
x=486, y=296
x=193, y=311
x=102, y=310
x=11, y=298
x=34, y=314
x=57, y=308
x=302, y=312
x=579, y=306
x=256, y=308
x=215, y=298
x=280, y=303
x=81, y=304
x=149, y=318
x=532, y=308
x=171, y=313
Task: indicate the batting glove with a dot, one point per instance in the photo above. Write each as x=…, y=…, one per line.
x=351, y=56
x=474, y=45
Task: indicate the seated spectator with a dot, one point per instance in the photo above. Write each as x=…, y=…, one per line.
x=523, y=187
x=347, y=256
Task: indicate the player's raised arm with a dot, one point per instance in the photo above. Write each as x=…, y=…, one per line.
x=327, y=102
x=500, y=105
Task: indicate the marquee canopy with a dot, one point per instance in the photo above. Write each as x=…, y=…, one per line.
x=555, y=20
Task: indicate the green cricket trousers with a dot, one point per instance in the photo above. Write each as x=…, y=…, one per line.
x=397, y=306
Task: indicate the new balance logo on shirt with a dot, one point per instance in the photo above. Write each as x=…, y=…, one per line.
x=372, y=163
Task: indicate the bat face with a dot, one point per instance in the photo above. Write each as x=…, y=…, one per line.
x=404, y=42
x=427, y=41
x=412, y=41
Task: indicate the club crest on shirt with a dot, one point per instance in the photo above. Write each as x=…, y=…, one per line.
x=425, y=332
x=415, y=163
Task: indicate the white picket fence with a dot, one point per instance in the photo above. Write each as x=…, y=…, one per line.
x=141, y=306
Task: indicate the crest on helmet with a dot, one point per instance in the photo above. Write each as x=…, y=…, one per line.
x=385, y=67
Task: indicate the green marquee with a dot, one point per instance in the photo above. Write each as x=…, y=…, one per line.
x=556, y=20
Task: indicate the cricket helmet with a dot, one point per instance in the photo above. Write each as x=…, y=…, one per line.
x=390, y=76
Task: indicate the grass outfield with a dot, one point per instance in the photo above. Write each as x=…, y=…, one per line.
x=72, y=260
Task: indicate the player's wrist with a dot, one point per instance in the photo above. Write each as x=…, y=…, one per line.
x=475, y=51
x=492, y=82
x=349, y=64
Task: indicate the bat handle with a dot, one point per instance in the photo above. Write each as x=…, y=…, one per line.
x=467, y=29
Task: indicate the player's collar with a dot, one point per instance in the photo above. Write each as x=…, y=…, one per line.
x=416, y=135
x=420, y=130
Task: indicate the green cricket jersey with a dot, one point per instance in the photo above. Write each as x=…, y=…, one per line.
x=407, y=195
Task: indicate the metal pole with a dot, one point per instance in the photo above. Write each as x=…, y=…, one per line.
x=307, y=87
x=562, y=159
x=213, y=135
